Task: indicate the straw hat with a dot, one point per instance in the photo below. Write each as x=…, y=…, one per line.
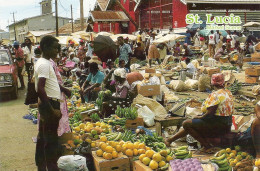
x=95, y=60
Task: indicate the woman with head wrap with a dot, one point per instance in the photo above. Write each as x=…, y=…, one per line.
x=121, y=94
x=216, y=119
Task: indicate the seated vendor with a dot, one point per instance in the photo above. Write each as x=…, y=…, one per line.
x=216, y=119
x=255, y=129
x=91, y=86
x=190, y=68
x=220, y=52
x=188, y=52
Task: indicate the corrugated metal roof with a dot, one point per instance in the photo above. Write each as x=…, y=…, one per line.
x=103, y=4
x=224, y=1
x=109, y=16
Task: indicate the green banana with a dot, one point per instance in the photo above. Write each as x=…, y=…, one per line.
x=189, y=155
x=224, y=168
x=118, y=136
x=168, y=151
x=220, y=157
x=182, y=157
x=223, y=165
x=181, y=153
x=182, y=148
x=165, y=167
x=221, y=162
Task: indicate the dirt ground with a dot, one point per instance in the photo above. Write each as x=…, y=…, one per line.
x=16, y=147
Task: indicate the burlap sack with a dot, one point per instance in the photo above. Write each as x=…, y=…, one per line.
x=204, y=83
x=178, y=85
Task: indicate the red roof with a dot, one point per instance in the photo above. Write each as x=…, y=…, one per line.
x=109, y=16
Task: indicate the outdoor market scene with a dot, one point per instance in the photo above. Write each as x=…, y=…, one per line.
x=130, y=85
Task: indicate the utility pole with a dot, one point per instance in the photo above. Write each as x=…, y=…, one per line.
x=81, y=15
x=56, y=16
x=14, y=27
x=72, y=29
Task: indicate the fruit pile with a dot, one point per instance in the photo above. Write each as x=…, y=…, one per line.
x=115, y=120
x=89, y=131
x=228, y=158
x=182, y=153
x=191, y=164
x=127, y=112
x=126, y=136
x=156, y=160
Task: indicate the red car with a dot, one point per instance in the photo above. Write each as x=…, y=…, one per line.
x=8, y=74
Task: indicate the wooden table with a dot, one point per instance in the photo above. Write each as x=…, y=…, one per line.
x=170, y=121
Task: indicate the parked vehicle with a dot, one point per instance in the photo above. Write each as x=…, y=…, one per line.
x=8, y=74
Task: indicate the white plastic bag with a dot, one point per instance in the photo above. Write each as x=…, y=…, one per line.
x=72, y=163
x=147, y=115
x=178, y=85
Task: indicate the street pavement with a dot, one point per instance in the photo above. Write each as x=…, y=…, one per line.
x=16, y=146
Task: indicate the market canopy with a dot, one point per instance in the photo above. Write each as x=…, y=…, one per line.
x=196, y=26
x=103, y=33
x=130, y=37
x=64, y=40
x=169, y=37
x=206, y=32
x=252, y=24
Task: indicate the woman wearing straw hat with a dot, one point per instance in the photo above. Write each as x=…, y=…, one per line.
x=153, y=52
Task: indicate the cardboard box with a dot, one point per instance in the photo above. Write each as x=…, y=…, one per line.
x=139, y=166
x=255, y=59
x=149, y=90
x=119, y=164
x=134, y=123
x=150, y=70
x=247, y=59
x=255, y=55
x=253, y=71
x=251, y=79
x=212, y=71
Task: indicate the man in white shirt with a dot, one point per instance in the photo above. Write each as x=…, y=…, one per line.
x=49, y=91
x=212, y=43
x=28, y=51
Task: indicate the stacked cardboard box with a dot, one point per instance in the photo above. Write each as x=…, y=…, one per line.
x=252, y=75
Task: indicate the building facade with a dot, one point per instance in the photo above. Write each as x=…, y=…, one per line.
x=46, y=22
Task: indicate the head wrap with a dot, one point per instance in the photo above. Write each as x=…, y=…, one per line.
x=218, y=79
x=71, y=53
x=120, y=72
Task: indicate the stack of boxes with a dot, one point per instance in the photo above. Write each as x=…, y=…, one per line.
x=252, y=75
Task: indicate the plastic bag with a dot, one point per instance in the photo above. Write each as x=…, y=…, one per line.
x=72, y=163
x=147, y=115
x=192, y=84
x=178, y=85
x=154, y=80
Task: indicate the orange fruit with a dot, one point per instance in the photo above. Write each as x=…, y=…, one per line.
x=141, y=151
x=114, y=154
x=141, y=157
x=121, y=143
x=108, y=156
x=162, y=163
x=147, y=148
x=118, y=148
x=103, y=146
x=129, y=152
x=136, y=145
x=130, y=145
x=153, y=165
x=157, y=157
x=70, y=142
x=103, y=138
x=109, y=149
x=149, y=153
x=146, y=161
x=99, y=153
x=135, y=152
x=141, y=145
x=93, y=144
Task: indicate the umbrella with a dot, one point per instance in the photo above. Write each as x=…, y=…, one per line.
x=64, y=40
x=169, y=37
x=206, y=32
x=104, y=48
x=196, y=26
x=103, y=33
x=252, y=24
x=130, y=36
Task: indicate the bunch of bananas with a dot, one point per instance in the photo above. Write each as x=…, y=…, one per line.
x=182, y=153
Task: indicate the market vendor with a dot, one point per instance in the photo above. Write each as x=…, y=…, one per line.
x=220, y=52
x=216, y=119
x=91, y=86
x=121, y=94
x=188, y=52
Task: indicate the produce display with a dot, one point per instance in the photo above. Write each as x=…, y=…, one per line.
x=127, y=112
x=235, y=87
x=101, y=96
x=182, y=153
x=228, y=68
x=95, y=117
x=227, y=158
x=191, y=164
x=115, y=120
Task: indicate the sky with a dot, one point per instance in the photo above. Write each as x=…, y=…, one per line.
x=29, y=8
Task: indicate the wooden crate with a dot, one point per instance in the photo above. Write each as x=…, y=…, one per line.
x=255, y=59
x=223, y=60
x=119, y=164
x=251, y=79
x=148, y=90
x=150, y=70
x=255, y=55
x=253, y=71
x=134, y=123
x=212, y=71
x=139, y=166
x=246, y=59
